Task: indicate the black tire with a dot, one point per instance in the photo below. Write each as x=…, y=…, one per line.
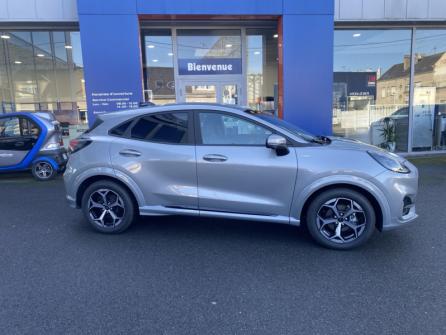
x=108, y=224
x=43, y=171
x=320, y=211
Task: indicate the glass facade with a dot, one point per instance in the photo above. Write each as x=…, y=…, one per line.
x=429, y=95
x=389, y=87
x=43, y=71
x=262, y=69
x=389, y=83
x=159, y=75
x=367, y=102
x=209, y=43
x=237, y=66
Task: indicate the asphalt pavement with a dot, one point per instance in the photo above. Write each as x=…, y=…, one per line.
x=184, y=275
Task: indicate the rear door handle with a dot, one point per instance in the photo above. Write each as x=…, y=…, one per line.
x=130, y=153
x=215, y=158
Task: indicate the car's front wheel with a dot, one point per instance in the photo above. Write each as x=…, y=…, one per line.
x=108, y=207
x=341, y=219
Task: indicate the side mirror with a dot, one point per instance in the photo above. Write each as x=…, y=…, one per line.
x=278, y=143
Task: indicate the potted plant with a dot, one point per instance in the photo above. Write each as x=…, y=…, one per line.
x=388, y=134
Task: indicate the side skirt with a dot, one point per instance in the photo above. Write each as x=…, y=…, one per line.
x=161, y=210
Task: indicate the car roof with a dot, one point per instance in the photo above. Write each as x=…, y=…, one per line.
x=43, y=115
x=172, y=107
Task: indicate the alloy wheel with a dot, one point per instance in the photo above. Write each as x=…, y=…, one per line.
x=43, y=170
x=106, y=208
x=341, y=220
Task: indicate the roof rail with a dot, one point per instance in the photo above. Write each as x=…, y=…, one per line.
x=146, y=104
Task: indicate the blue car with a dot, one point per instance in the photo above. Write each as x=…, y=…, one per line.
x=31, y=141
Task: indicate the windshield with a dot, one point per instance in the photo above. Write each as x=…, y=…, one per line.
x=288, y=127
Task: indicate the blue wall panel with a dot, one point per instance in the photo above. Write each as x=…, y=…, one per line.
x=206, y=7
x=112, y=56
x=106, y=6
x=112, y=62
x=308, y=71
x=308, y=7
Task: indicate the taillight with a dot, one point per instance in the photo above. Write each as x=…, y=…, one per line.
x=61, y=141
x=77, y=144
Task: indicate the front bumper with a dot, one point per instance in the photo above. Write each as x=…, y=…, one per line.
x=400, y=191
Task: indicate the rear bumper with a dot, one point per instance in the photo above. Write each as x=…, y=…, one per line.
x=58, y=158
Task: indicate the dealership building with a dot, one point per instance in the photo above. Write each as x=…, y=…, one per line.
x=373, y=70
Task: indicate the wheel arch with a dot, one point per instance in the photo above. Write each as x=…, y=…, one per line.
x=92, y=179
x=49, y=160
x=379, y=212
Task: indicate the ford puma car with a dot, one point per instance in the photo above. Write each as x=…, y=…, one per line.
x=31, y=141
x=229, y=162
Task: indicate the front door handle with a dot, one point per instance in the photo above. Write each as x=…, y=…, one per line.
x=130, y=153
x=215, y=158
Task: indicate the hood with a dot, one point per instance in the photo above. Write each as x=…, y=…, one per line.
x=350, y=144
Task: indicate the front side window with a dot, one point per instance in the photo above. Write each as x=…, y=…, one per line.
x=162, y=128
x=9, y=127
x=292, y=128
x=223, y=129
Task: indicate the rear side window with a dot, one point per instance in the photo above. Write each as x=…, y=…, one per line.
x=121, y=129
x=29, y=128
x=162, y=128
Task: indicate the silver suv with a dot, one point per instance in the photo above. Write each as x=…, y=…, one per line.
x=229, y=162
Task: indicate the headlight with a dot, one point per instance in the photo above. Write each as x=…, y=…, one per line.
x=389, y=161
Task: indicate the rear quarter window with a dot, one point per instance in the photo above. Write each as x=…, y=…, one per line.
x=169, y=128
x=121, y=129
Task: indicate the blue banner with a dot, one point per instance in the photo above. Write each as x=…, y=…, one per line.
x=112, y=74
x=209, y=66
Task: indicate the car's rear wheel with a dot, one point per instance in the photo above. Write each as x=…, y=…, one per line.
x=43, y=171
x=108, y=207
x=341, y=219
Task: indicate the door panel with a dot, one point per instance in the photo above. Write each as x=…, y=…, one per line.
x=11, y=157
x=165, y=173
x=157, y=152
x=251, y=180
x=236, y=172
x=16, y=139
